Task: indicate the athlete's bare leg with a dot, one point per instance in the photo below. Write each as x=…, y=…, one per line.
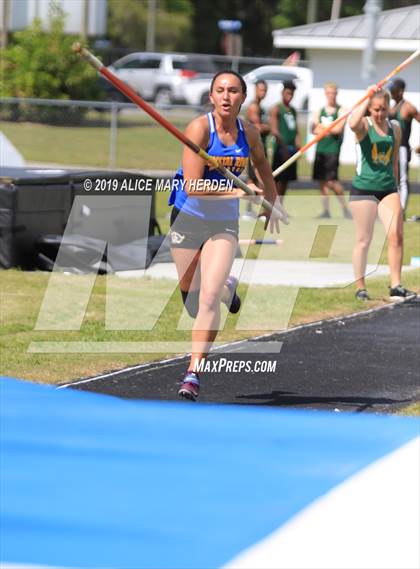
x=325, y=199
x=338, y=189
x=391, y=214
x=364, y=216
x=215, y=264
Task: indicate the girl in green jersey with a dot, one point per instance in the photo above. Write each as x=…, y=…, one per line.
x=374, y=190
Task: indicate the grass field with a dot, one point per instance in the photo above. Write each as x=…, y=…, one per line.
x=303, y=207
x=23, y=292
x=133, y=300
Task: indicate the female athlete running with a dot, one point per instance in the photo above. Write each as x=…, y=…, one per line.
x=204, y=221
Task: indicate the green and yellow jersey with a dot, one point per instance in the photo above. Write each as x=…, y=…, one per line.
x=331, y=143
x=374, y=167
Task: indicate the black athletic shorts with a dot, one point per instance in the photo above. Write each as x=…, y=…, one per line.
x=358, y=195
x=325, y=166
x=280, y=155
x=191, y=232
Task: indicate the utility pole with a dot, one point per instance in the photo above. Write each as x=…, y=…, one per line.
x=85, y=21
x=5, y=23
x=335, y=10
x=312, y=11
x=151, y=25
x=372, y=9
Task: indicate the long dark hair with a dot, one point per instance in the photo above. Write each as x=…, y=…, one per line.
x=229, y=72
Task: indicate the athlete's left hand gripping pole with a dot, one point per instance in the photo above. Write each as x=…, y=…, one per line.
x=131, y=94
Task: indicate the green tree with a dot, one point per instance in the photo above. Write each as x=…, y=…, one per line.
x=40, y=64
x=127, y=24
x=291, y=13
x=255, y=15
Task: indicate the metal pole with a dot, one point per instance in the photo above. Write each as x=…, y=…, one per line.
x=311, y=11
x=151, y=25
x=85, y=21
x=335, y=10
x=372, y=10
x=5, y=23
x=113, y=136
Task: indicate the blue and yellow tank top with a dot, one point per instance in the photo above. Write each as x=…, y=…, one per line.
x=374, y=168
x=234, y=158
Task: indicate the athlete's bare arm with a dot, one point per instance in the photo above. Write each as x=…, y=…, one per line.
x=274, y=122
x=192, y=164
x=357, y=121
x=253, y=116
x=408, y=111
x=262, y=169
x=338, y=128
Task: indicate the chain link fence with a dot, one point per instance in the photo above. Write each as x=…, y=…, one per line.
x=95, y=134
x=92, y=134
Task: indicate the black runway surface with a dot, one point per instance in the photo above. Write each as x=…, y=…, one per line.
x=370, y=362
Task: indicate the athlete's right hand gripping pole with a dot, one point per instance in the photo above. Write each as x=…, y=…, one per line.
x=368, y=94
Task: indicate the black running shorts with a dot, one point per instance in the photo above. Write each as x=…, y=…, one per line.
x=280, y=155
x=325, y=167
x=358, y=195
x=191, y=232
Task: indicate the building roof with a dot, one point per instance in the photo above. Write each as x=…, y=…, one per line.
x=397, y=30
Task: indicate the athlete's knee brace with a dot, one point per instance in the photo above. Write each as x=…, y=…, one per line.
x=190, y=300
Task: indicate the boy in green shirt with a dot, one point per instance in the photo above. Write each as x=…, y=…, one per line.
x=284, y=139
x=328, y=151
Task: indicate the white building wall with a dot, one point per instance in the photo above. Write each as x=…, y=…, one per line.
x=18, y=15
x=23, y=12
x=344, y=68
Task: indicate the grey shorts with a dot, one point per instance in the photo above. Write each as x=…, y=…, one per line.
x=191, y=232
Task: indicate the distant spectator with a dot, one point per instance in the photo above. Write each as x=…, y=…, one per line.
x=328, y=151
x=258, y=117
x=404, y=112
x=284, y=139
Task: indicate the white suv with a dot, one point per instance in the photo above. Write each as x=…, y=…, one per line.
x=197, y=91
x=160, y=77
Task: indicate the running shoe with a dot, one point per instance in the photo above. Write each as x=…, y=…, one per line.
x=362, y=294
x=324, y=215
x=190, y=386
x=400, y=293
x=414, y=218
x=234, y=302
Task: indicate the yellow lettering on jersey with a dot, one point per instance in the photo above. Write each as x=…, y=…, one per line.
x=374, y=152
x=387, y=156
x=381, y=157
x=234, y=163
